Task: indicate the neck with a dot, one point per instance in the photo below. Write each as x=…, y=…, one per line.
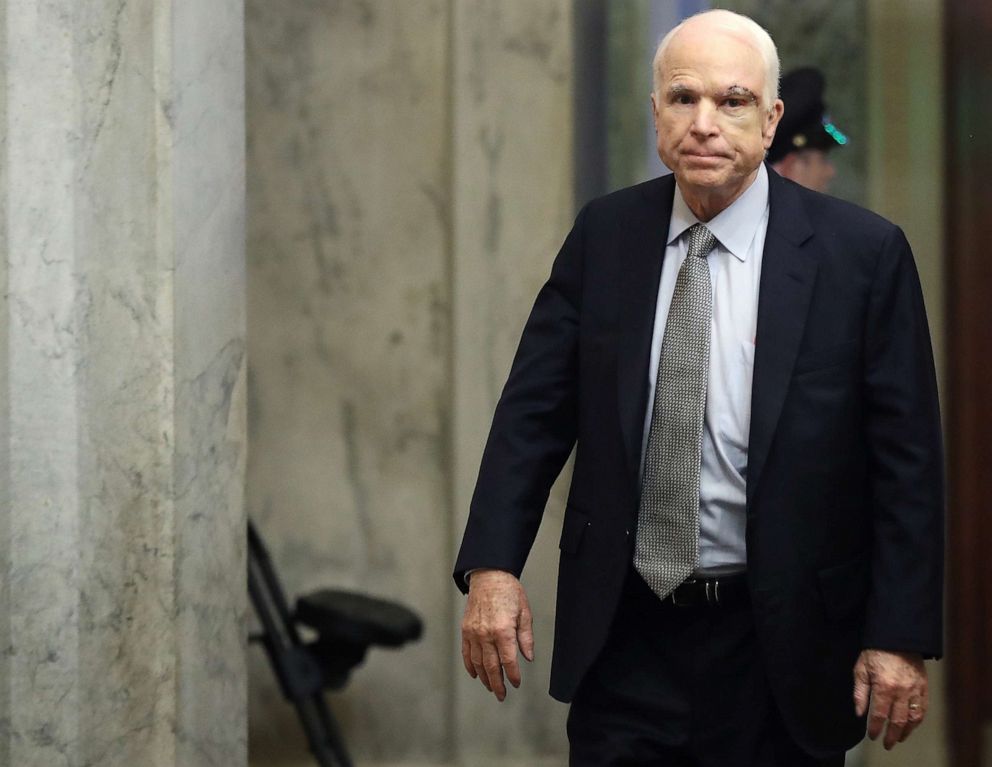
x=707, y=202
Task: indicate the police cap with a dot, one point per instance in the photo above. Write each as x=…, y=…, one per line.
x=805, y=124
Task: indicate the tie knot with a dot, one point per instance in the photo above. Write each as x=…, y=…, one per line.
x=701, y=241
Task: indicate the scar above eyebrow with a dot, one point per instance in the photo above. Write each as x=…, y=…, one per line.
x=740, y=92
x=734, y=91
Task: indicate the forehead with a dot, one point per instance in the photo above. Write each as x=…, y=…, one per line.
x=714, y=57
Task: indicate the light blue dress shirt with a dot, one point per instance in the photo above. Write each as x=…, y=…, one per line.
x=735, y=271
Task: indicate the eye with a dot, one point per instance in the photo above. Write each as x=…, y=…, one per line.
x=683, y=98
x=735, y=103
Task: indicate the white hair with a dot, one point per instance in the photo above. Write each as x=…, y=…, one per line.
x=761, y=40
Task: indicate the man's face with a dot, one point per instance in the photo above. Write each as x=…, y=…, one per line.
x=713, y=127
x=812, y=168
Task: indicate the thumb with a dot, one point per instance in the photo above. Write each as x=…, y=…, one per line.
x=862, y=686
x=525, y=632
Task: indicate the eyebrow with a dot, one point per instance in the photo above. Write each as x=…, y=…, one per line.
x=678, y=90
x=740, y=92
x=734, y=91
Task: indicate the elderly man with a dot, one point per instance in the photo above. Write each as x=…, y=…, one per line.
x=751, y=552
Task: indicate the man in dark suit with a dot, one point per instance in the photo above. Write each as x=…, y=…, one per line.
x=751, y=556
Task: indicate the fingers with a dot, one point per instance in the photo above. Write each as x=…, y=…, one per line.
x=862, y=686
x=906, y=715
x=484, y=660
x=917, y=712
x=494, y=671
x=506, y=646
x=467, y=658
x=912, y=724
x=478, y=670
x=525, y=633
x=497, y=619
x=892, y=688
x=881, y=705
x=898, y=719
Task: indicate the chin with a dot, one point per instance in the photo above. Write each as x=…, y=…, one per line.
x=703, y=177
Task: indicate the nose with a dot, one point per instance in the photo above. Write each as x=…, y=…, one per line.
x=704, y=121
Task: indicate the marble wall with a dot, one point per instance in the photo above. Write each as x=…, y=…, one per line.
x=122, y=351
x=402, y=216
x=513, y=200
x=349, y=328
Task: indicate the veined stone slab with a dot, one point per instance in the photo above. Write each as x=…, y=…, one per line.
x=122, y=439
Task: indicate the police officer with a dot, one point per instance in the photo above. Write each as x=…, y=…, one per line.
x=805, y=134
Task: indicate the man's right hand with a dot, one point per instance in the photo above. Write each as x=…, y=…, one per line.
x=497, y=621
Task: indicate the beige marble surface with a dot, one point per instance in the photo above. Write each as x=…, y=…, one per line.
x=123, y=432
x=401, y=217
x=513, y=205
x=349, y=302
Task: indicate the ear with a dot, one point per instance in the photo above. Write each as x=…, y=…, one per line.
x=772, y=119
x=654, y=110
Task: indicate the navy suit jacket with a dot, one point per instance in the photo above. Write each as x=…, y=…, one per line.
x=844, y=477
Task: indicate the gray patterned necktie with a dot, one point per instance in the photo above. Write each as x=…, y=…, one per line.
x=667, y=548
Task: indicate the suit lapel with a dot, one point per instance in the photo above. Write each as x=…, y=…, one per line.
x=643, y=251
x=788, y=271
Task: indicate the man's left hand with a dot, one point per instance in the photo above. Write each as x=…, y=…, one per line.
x=897, y=682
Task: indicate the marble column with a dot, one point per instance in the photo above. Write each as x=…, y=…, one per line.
x=513, y=204
x=409, y=183
x=348, y=313
x=122, y=375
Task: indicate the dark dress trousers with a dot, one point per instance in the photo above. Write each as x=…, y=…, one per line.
x=844, y=478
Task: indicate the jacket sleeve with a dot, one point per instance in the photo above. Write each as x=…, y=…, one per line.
x=534, y=427
x=902, y=422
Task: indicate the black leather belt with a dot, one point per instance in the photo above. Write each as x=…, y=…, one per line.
x=724, y=590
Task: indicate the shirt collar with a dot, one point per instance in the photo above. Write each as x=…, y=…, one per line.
x=734, y=227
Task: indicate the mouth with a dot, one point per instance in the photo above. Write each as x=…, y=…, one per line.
x=704, y=156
